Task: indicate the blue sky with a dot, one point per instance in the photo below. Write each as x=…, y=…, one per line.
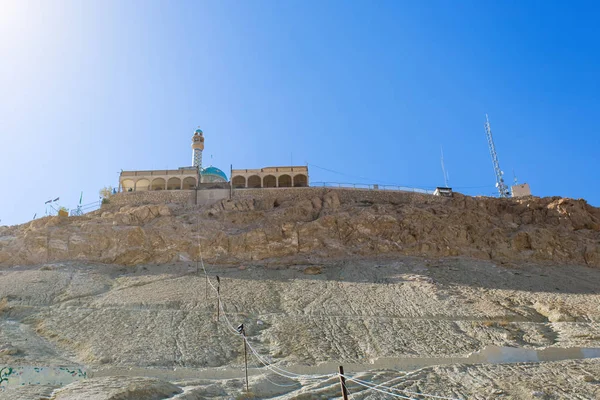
x=369, y=88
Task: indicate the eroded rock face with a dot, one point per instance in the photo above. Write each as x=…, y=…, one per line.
x=334, y=223
x=117, y=388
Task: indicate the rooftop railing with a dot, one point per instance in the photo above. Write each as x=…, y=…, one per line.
x=374, y=186
x=161, y=172
x=86, y=208
x=300, y=169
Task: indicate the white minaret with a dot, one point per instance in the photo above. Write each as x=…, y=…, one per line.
x=197, y=147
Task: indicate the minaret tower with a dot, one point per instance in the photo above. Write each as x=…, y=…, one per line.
x=197, y=147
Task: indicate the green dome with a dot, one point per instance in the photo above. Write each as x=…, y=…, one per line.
x=198, y=131
x=214, y=172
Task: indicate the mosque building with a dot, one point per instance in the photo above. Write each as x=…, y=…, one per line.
x=197, y=177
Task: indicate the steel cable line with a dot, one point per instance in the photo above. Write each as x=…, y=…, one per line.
x=406, y=391
x=347, y=390
x=229, y=325
x=377, y=390
x=292, y=375
x=272, y=368
x=390, y=184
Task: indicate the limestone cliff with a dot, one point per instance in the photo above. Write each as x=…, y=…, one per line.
x=305, y=223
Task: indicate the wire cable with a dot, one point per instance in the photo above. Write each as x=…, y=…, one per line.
x=272, y=368
x=390, y=184
x=407, y=391
x=378, y=390
x=349, y=176
x=347, y=390
x=292, y=375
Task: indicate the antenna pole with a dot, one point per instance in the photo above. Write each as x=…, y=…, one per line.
x=444, y=170
x=502, y=188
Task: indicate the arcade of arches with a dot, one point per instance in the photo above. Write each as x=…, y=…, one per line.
x=177, y=179
x=270, y=177
x=187, y=178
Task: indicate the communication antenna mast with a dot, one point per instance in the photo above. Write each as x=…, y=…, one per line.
x=78, y=210
x=500, y=185
x=50, y=203
x=444, y=170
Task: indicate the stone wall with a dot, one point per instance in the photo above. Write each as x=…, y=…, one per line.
x=184, y=197
x=207, y=197
x=153, y=197
x=345, y=195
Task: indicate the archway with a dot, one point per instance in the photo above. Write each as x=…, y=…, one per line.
x=127, y=185
x=189, y=183
x=238, y=181
x=269, y=181
x=285, y=181
x=158, y=184
x=174, y=184
x=300, y=180
x=142, y=185
x=254, y=181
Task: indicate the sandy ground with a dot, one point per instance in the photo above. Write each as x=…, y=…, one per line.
x=307, y=318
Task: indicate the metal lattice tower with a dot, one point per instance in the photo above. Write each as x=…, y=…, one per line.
x=502, y=188
x=197, y=158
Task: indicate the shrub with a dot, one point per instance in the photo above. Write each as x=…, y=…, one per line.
x=106, y=192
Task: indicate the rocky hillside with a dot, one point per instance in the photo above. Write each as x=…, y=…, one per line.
x=309, y=223
x=446, y=296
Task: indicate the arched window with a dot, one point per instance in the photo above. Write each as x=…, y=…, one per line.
x=254, y=181
x=174, y=184
x=238, y=181
x=158, y=184
x=189, y=183
x=300, y=180
x=269, y=181
x=142, y=185
x=127, y=185
x=285, y=181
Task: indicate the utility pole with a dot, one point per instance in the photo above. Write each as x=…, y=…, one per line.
x=500, y=185
x=343, y=383
x=218, y=299
x=242, y=332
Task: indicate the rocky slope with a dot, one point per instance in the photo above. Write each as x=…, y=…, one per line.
x=316, y=222
x=385, y=314
x=414, y=292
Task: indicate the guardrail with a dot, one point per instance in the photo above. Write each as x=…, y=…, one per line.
x=86, y=208
x=366, y=186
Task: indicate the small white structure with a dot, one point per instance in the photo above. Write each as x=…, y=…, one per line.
x=521, y=190
x=443, y=191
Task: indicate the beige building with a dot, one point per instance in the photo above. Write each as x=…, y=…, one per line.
x=521, y=190
x=270, y=177
x=197, y=177
x=184, y=178
x=172, y=179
